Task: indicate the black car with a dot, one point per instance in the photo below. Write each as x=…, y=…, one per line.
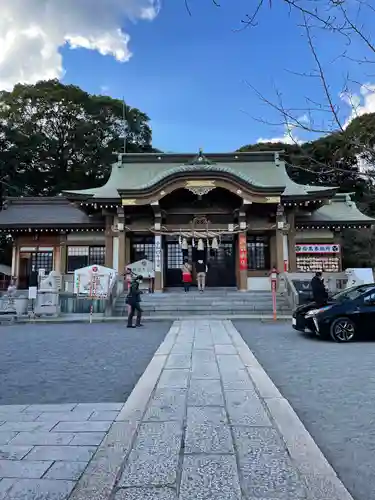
x=347, y=315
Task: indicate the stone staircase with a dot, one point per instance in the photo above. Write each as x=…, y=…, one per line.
x=213, y=302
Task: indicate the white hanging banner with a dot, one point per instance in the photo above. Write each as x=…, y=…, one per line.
x=157, y=253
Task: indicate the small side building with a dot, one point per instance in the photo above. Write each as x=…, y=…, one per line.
x=242, y=208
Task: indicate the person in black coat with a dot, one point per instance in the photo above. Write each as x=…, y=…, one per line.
x=134, y=301
x=319, y=291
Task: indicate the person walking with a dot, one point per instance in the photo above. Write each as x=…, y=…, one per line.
x=133, y=300
x=201, y=269
x=186, y=275
x=319, y=291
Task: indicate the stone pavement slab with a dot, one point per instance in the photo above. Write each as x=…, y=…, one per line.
x=205, y=422
x=37, y=461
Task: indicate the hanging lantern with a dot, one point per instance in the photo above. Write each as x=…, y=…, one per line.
x=184, y=245
x=200, y=244
x=193, y=243
x=215, y=244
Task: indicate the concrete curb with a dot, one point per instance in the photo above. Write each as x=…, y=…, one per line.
x=176, y=317
x=320, y=478
x=104, y=470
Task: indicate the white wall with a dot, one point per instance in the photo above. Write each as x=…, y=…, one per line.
x=115, y=254
x=259, y=283
x=89, y=236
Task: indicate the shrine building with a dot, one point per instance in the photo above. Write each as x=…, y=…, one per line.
x=240, y=210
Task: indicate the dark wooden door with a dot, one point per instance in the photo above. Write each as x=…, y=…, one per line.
x=173, y=263
x=221, y=266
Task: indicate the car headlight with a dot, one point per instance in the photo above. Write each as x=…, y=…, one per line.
x=314, y=312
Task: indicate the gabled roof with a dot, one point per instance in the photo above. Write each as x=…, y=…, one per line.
x=141, y=171
x=54, y=212
x=341, y=210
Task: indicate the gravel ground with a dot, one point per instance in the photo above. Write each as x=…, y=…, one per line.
x=332, y=389
x=67, y=363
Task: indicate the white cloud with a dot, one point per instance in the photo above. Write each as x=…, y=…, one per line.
x=361, y=103
x=289, y=136
x=33, y=31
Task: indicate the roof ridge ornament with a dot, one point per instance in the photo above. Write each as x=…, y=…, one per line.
x=200, y=159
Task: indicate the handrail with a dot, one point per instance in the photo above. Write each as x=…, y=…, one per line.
x=116, y=289
x=291, y=291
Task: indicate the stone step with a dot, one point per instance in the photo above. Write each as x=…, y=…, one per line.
x=207, y=302
x=222, y=314
x=204, y=310
x=211, y=303
x=205, y=298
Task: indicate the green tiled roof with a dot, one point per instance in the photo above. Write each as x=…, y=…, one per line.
x=53, y=212
x=341, y=209
x=142, y=171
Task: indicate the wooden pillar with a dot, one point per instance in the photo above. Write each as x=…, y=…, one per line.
x=63, y=253
x=338, y=239
x=57, y=258
x=108, y=241
x=292, y=242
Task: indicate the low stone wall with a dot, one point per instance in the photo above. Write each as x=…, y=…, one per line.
x=70, y=304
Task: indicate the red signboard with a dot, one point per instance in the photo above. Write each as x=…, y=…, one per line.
x=243, y=252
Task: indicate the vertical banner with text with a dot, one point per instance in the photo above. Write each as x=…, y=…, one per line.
x=157, y=253
x=242, y=245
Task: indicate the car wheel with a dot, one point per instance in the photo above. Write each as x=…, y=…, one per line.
x=342, y=330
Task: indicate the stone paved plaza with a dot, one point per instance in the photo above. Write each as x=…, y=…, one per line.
x=45, y=448
x=204, y=422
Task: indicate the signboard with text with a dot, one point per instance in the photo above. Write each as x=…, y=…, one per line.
x=144, y=268
x=93, y=281
x=320, y=248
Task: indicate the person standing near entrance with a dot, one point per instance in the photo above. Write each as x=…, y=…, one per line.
x=319, y=291
x=133, y=300
x=201, y=269
x=186, y=274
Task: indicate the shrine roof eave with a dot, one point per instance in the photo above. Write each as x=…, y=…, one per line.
x=49, y=213
x=334, y=224
x=92, y=201
x=50, y=227
x=340, y=211
x=323, y=194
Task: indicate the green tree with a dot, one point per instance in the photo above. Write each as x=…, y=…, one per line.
x=335, y=160
x=55, y=137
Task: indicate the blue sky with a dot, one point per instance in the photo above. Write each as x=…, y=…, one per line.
x=189, y=73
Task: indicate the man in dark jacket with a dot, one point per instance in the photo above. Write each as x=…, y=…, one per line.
x=134, y=300
x=319, y=291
